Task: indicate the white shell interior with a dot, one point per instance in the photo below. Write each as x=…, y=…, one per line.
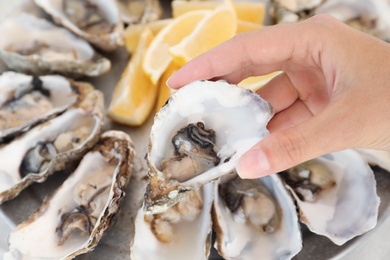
x=376, y=157
x=11, y=155
x=351, y=207
x=25, y=30
x=37, y=239
x=190, y=237
x=243, y=241
x=238, y=116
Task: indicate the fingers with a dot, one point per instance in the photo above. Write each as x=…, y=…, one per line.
x=287, y=148
x=262, y=48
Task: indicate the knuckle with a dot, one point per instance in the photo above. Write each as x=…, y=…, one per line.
x=291, y=148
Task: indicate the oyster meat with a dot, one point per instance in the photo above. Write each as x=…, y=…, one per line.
x=181, y=232
x=139, y=11
x=50, y=146
x=198, y=136
x=28, y=100
x=97, y=21
x=34, y=45
x=255, y=219
x=73, y=220
x=336, y=195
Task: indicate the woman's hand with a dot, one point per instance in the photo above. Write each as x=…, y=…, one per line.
x=333, y=94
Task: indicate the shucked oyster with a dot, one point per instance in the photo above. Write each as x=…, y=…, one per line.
x=74, y=218
x=50, y=146
x=139, y=11
x=27, y=100
x=198, y=136
x=181, y=232
x=34, y=45
x=255, y=219
x=335, y=194
x=97, y=21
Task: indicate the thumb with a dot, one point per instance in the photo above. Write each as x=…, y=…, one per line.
x=285, y=149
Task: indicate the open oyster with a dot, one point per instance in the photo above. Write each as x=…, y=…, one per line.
x=255, y=219
x=50, y=146
x=181, y=232
x=139, y=11
x=28, y=100
x=34, y=45
x=74, y=218
x=198, y=136
x=96, y=21
x=376, y=157
x=335, y=194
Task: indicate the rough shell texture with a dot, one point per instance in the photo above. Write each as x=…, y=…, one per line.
x=105, y=9
x=89, y=114
x=36, y=46
x=114, y=147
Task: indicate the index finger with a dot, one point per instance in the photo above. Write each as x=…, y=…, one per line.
x=272, y=45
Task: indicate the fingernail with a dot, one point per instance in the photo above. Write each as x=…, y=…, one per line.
x=253, y=164
x=167, y=82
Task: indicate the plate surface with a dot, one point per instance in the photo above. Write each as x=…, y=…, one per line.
x=116, y=243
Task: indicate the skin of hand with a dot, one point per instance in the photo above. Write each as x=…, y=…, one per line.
x=333, y=94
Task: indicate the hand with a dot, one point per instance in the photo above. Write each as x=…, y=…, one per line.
x=333, y=94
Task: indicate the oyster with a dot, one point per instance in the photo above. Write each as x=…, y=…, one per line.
x=139, y=11
x=255, y=218
x=376, y=157
x=335, y=194
x=34, y=45
x=50, y=146
x=198, y=136
x=96, y=21
x=28, y=100
x=181, y=232
x=75, y=217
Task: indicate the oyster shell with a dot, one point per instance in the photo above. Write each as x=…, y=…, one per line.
x=97, y=21
x=198, y=136
x=376, y=157
x=50, y=146
x=336, y=195
x=28, y=100
x=254, y=218
x=73, y=220
x=181, y=232
x=139, y=11
x=34, y=45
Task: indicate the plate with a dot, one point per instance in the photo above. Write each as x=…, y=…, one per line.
x=116, y=243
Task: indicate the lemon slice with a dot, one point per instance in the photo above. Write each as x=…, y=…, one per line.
x=253, y=12
x=244, y=26
x=157, y=57
x=215, y=28
x=134, y=95
x=132, y=33
x=164, y=90
x=255, y=83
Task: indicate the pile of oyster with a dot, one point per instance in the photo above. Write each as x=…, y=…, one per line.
x=370, y=16
x=194, y=189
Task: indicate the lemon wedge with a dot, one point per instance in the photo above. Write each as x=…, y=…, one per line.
x=164, y=90
x=256, y=82
x=157, y=57
x=215, y=28
x=134, y=95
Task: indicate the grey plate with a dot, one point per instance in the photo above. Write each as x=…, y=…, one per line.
x=116, y=243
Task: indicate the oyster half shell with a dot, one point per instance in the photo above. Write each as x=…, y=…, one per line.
x=336, y=195
x=198, y=137
x=36, y=46
x=50, y=146
x=73, y=220
x=28, y=100
x=97, y=21
x=139, y=11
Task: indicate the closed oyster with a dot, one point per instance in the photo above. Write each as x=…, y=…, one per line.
x=139, y=11
x=73, y=220
x=255, y=219
x=50, y=146
x=198, y=136
x=34, y=45
x=96, y=21
x=181, y=232
x=28, y=100
x=335, y=194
